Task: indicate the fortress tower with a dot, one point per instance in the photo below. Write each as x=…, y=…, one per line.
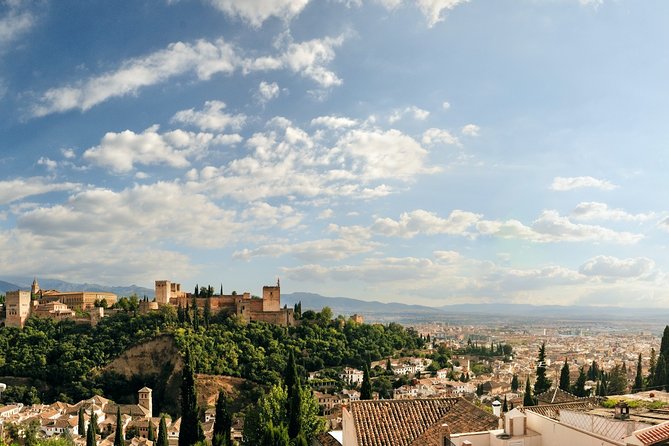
x=271, y=297
x=35, y=289
x=18, y=304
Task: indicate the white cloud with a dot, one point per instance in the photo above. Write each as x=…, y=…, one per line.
x=210, y=118
x=264, y=215
x=607, y=266
x=20, y=188
x=255, y=12
x=433, y=9
x=50, y=164
x=445, y=105
x=267, y=91
x=601, y=211
x=569, y=183
x=68, y=153
x=415, y=112
x=437, y=136
x=325, y=214
x=550, y=227
x=202, y=58
x=121, y=151
x=471, y=130
x=420, y=221
x=14, y=23
x=333, y=122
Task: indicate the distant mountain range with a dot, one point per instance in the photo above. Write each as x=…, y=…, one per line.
x=24, y=283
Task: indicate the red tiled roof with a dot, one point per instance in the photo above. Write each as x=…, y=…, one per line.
x=400, y=422
x=654, y=434
x=556, y=396
x=553, y=410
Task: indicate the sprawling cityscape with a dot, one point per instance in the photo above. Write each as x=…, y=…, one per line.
x=334, y=223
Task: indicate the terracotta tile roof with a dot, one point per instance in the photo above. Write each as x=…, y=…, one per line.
x=556, y=396
x=400, y=422
x=654, y=435
x=553, y=410
x=327, y=440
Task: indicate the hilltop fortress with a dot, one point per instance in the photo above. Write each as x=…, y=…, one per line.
x=22, y=304
x=266, y=308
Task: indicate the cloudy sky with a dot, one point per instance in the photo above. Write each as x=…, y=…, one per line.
x=421, y=151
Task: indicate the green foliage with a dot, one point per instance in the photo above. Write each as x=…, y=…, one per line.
x=223, y=421
x=514, y=383
x=528, y=400
x=579, y=386
x=638, y=380
x=90, y=435
x=366, y=386
x=191, y=429
x=118, y=435
x=542, y=383
x=162, y=433
x=565, y=384
x=82, y=421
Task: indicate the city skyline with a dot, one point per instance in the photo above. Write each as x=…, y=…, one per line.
x=429, y=152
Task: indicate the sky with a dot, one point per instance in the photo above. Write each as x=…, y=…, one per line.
x=420, y=151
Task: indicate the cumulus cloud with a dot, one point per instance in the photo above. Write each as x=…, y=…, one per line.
x=434, y=9
x=471, y=130
x=121, y=151
x=420, y=221
x=255, y=12
x=267, y=91
x=264, y=215
x=613, y=267
x=20, y=188
x=334, y=122
x=569, y=183
x=414, y=112
x=439, y=136
x=601, y=211
x=210, y=118
x=202, y=58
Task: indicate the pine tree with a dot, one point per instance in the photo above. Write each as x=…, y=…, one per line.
x=82, y=422
x=223, y=421
x=162, y=433
x=151, y=435
x=564, y=377
x=579, y=387
x=527, y=398
x=638, y=380
x=514, y=383
x=542, y=383
x=191, y=429
x=118, y=435
x=366, y=387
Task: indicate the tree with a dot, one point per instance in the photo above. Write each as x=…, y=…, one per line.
x=162, y=433
x=638, y=380
x=593, y=371
x=389, y=367
x=82, y=422
x=664, y=345
x=118, y=435
x=366, y=387
x=151, y=435
x=206, y=316
x=542, y=383
x=290, y=374
x=579, y=386
x=294, y=412
x=191, y=429
x=651, y=367
x=90, y=435
x=275, y=436
x=660, y=377
x=505, y=406
x=223, y=421
x=564, y=377
x=527, y=398
x=514, y=383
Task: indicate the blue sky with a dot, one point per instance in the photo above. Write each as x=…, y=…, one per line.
x=421, y=151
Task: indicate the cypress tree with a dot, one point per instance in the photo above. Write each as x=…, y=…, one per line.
x=579, y=387
x=664, y=345
x=275, y=436
x=82, y=422
x=290, y=374
x=564, y=377
x=190, y=432
x=223, y=421
x=162, y=433
x=505, y=406
x=651, y=367
x=527, y=398
x=389, y=366
x=514, y=383
x=151, y=435
x=206, y=316
x=542, y=383
x=593, y=371
x=638, y=380
x=301, y=440
x=366, y=387
x=660, y=378
x=94, y=423
x=90, y=435
x=118, y=435
x=295, y=413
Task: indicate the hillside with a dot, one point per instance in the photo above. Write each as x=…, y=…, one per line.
x=61, y=285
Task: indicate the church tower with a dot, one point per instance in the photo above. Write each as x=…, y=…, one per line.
x=145, y=400
x=35, y=289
